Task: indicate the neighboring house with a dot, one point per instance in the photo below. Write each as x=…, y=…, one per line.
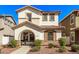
x=6, y=31
x=37, y=24
x=71, y=24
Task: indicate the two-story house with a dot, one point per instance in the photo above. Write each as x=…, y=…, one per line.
x=71, y=24
x=6, y=31
x=37, y=24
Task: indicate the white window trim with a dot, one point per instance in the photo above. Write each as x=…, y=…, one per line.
x=50, y=17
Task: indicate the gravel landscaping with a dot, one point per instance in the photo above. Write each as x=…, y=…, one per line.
x=46, y=50
x=7, y=50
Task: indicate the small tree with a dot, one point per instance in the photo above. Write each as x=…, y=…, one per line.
x=62, y=41
x=37, y=42
x=13, y=43
x=50, y=45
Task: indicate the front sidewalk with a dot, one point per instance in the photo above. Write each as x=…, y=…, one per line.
x=22, y=50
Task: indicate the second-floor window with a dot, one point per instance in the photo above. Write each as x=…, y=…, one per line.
x=51, y=18
x=44, y=17
x=72, y=18
x=29, y=15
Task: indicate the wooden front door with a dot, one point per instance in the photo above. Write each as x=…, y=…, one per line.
x=50, y=36
x=77, y=36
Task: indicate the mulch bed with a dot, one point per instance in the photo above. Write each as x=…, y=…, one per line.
x=46, y=50
x=7, y=50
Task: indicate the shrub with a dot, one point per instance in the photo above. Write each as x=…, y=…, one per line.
x=62, y=49
x=62, y=41
x=37, y=43
x=34, y=49
x=50, y=45
x=75, y=47
x=13, y=43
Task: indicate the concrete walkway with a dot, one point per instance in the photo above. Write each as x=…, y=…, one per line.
x=22, y=50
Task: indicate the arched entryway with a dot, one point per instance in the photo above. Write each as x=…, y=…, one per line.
x=27, y=37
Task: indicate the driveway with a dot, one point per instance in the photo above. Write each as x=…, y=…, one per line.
x=22, y=50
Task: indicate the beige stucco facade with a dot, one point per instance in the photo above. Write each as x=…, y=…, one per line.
x=36, y=22
x=36, y=18
x=77, y=22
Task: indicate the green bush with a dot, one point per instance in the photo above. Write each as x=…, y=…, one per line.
x=37, y=43
x=50, y=45
x=13, y=43
x=62, y=41
x=62, y=49
x=34, y=49
x=75, y=47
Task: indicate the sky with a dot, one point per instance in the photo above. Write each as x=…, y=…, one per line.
x=65, y=9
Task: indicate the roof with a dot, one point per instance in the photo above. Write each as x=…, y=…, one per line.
x=40, y=27
x=41, y=11
x=69, y=15
x=49, y=27
x=7, y=15
x=24, y=23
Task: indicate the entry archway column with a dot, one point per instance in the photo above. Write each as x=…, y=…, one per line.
x=28, y=37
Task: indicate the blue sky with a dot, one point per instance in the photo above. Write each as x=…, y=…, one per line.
x=65, y=9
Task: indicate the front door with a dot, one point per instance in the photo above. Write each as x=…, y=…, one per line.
x=27, y=38
x=50, y=36
x=77, y=36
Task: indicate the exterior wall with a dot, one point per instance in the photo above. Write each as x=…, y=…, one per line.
x=55, y=22
x=58, y=35
x=6, y=31
x=77, y=22
x=36, y=18
x=67, y=25
x=23, y=16
x=70, y=30
x=38, y=34
x=7, y=28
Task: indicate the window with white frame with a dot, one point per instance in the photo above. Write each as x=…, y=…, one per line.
x=44, y=18
x=51, y=18
x=72, y=18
